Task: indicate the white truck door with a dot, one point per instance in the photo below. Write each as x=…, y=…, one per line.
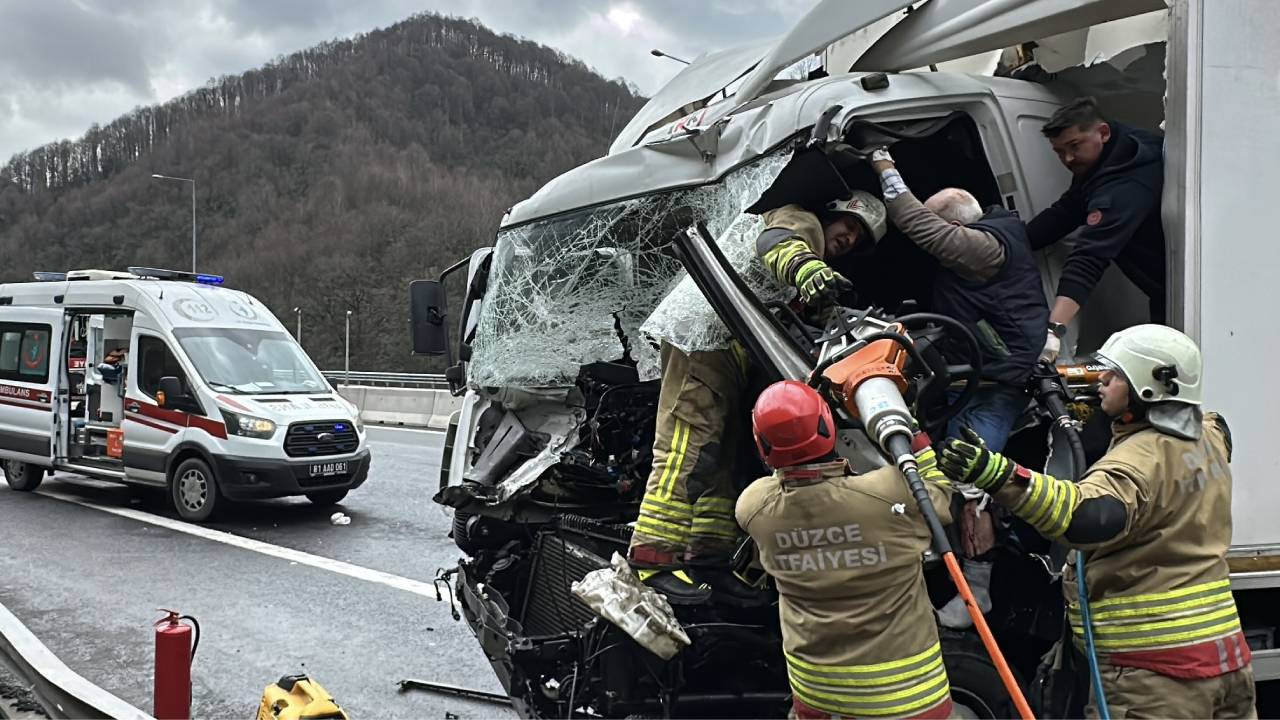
x=151, y=432
x=30, y=339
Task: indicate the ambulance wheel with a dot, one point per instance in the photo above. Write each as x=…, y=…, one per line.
x=194, y=491
x=327, y=497
x=22, y=476
x=976, y=689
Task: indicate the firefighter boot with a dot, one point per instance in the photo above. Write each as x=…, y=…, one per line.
x=728, y=588
x=954, y=614
x=676, y=585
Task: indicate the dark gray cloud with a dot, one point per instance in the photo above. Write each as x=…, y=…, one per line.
x=61, y=43
x=65, y=64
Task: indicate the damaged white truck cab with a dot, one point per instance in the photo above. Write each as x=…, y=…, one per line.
x=558, y=331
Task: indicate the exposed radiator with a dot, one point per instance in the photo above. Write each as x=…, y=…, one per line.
x=550, y=608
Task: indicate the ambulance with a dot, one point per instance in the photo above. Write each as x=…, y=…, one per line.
x=168, y=380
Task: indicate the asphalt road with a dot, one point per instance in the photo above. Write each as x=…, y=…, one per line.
x=277, y=589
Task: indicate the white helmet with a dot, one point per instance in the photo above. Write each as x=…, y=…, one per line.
x=1159, y=363
x=867, y=208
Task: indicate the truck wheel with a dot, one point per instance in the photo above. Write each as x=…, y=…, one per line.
x=976, y=688
x=327, y=497
x=194, y=491
x=22, y=476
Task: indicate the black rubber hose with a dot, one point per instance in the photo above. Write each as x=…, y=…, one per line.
x=899, y=446
x=1050, y=394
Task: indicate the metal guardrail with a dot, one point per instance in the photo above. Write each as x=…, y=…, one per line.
x=57, y=688
x=380, y=379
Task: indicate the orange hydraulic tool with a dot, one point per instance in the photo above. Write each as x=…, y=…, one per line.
x=870, y=383
x=1081, y=375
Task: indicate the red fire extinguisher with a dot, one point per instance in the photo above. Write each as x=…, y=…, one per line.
x=175, y=650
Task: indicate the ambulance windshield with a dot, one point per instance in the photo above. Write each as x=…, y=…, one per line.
x=250, y=362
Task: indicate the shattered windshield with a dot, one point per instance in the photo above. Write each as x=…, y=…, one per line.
x=577, y=288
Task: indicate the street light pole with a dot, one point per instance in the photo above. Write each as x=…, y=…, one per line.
x=347, y=366
x=193, y=212
x=658, y=53
x=298, y=335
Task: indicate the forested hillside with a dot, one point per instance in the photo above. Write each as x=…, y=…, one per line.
x=326, y=180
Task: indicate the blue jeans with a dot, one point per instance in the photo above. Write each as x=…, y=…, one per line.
x=991, y=413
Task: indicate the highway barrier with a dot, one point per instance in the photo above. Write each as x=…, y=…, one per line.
x=59, y=690
x=402, y=406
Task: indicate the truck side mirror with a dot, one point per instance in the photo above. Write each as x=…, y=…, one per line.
x=427, y=314
x=170, y=392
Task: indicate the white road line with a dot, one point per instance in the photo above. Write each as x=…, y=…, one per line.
x=302, y=558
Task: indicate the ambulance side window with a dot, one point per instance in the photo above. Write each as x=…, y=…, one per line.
x=157, y=361
x=24, y=352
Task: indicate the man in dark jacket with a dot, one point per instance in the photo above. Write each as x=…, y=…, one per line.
x=1111, y=212
x=988, y=281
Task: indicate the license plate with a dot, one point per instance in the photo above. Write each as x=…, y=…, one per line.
x=327, y=469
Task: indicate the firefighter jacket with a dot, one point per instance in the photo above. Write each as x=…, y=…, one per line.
x=1158, y=584
x=792, y=238
x=859, y=634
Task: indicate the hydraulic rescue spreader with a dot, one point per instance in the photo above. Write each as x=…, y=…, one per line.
x=869, y=383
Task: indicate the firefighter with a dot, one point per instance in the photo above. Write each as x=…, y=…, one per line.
x=685, y=536
x=858, y=631
x=990, y=282
x=1111, y=211
x=796, y=243
x=1154, y=519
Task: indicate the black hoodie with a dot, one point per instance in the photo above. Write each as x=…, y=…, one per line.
x=1112, y=213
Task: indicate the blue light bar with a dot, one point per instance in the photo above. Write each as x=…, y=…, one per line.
x=209, y=279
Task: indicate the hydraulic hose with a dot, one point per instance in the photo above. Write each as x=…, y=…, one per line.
x=898, y=445
x=1050, y=393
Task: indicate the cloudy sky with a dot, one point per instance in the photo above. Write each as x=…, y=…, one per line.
x=65, y=64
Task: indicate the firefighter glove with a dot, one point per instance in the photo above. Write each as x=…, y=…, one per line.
x=970, y=461
x=927, y=463
x=817, y=282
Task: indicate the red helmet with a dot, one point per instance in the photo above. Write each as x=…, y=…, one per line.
x=792, y=424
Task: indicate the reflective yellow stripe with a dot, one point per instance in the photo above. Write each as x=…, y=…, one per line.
x=1039, y=497
x=1156, y=610
x=664, y=530
x=717, y=528
x=873, y=682
x=1062, y=517
x=675, y=458
x=989, y=474
x=896, y=711
x=714, y=502
x=1162, y=624
x=1182, y=592
x=651, y=508
x=857, y=705
x=1166, y=619
x=1213, y=632
x=862, y=669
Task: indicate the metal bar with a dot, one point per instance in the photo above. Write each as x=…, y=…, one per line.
x=1266, y=665
x=59, y=690
x=446, y=689
x=412, y=380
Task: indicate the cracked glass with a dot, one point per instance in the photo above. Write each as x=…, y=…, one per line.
x=603, y=284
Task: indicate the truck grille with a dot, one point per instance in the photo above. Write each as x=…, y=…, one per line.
x=550, y=609
x=317, y=439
